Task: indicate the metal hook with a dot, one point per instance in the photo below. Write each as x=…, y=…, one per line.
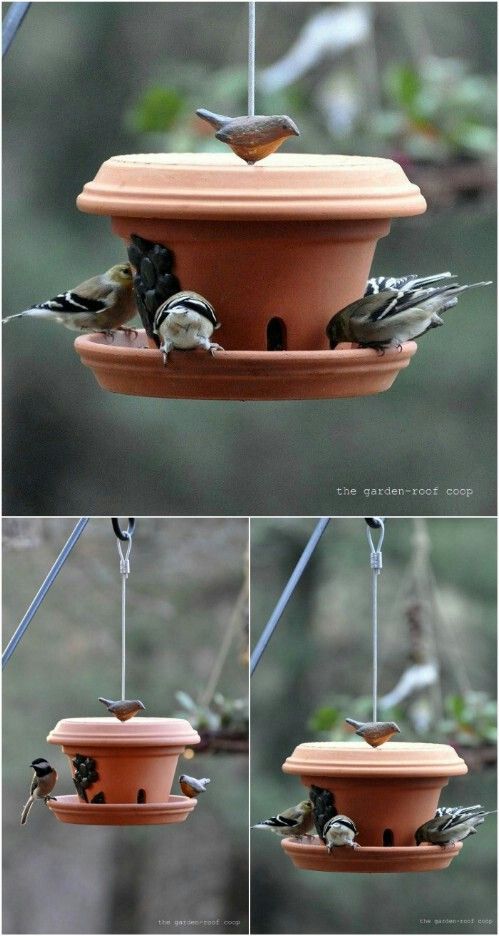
x=123, y=535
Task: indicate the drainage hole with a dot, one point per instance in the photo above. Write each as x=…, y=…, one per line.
x=141, y=796
x=276, y=335
x=388, y=838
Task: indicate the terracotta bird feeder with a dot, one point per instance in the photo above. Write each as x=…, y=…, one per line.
x=123, y=771
x=277, y=248
x=388, y=791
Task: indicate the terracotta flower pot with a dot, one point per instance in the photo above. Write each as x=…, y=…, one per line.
x=123, y=771
x=388, y=791
x=277, y=248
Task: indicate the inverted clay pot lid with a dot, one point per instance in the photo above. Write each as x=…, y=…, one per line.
x=136, y=732
x=219, y=185
x=71, y=809
x=126, y=365
x=313, y=856
x=394, y=759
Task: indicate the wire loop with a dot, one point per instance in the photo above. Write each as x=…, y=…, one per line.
x=123, y=535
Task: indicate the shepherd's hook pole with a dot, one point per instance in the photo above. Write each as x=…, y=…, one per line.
x=287, y=593
x=11, y=23
x=42, y=591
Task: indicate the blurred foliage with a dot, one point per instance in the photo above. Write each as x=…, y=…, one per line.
x=439, y=113
x=470, y=719
x=222, y=715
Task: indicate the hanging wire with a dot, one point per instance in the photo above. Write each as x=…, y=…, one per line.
x=287, y=593
x=123, y=537
x=42, y=591
x=376, y=523
x=11, y=23
x=251, y=58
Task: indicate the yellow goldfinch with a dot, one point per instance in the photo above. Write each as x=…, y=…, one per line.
x=295, y=821
x=103, y=303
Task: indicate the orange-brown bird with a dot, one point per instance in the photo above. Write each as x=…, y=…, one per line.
x=375, y=733
x=251, y=138
x=191, y=787
x=124, y=708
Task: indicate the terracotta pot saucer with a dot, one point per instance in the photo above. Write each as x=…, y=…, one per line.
x=71, y=809
x=125, y=364
x=313, y=856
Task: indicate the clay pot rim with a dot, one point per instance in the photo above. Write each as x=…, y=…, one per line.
x=395, y=759
x=286, y=186
x=67, y=807
x=290, y=844
x=107, y=731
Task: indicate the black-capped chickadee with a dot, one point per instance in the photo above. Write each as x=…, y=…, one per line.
x=192, y=787
x=123, y=709
x=185, y=321
x=44, y=781
x=340, y=831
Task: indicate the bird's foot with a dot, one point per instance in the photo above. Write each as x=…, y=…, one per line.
x=215, y=347
x=107, y=332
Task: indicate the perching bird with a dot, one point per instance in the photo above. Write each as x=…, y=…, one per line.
x=451, y=824
x=324, y=808
x=251, y=138
x=185, y=321
x=375, y=733
x=411, y=281
x=191, y=787
x=295, y=821
x=103, y=303
x=339, y=831
x=123, y=709
x=392, y=316
x=44, y=781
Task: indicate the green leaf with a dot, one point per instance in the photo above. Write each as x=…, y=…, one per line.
x=403, y=84
x=324, y=718
x=156, y=111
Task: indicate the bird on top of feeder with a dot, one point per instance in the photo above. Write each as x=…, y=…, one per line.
x=251, y=138
x=44, y=781
x=295, y=821
x=393, y=315
x=185, y=321
x=451, y=824
x=123, y=709
x=375, y=733
x=340, y=831
x=103, y=303
x=324, y=808
x=192, y=787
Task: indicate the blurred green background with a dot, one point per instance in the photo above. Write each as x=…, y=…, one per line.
x=320, y=658
x=85, y=81
x=185, y=579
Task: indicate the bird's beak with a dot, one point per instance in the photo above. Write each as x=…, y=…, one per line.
x=293, y=128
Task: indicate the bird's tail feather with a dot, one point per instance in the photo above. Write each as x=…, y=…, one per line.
x=10, y=317
x=351, y=721
x=105, y=701
x=26, y=810
x=216, y=120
